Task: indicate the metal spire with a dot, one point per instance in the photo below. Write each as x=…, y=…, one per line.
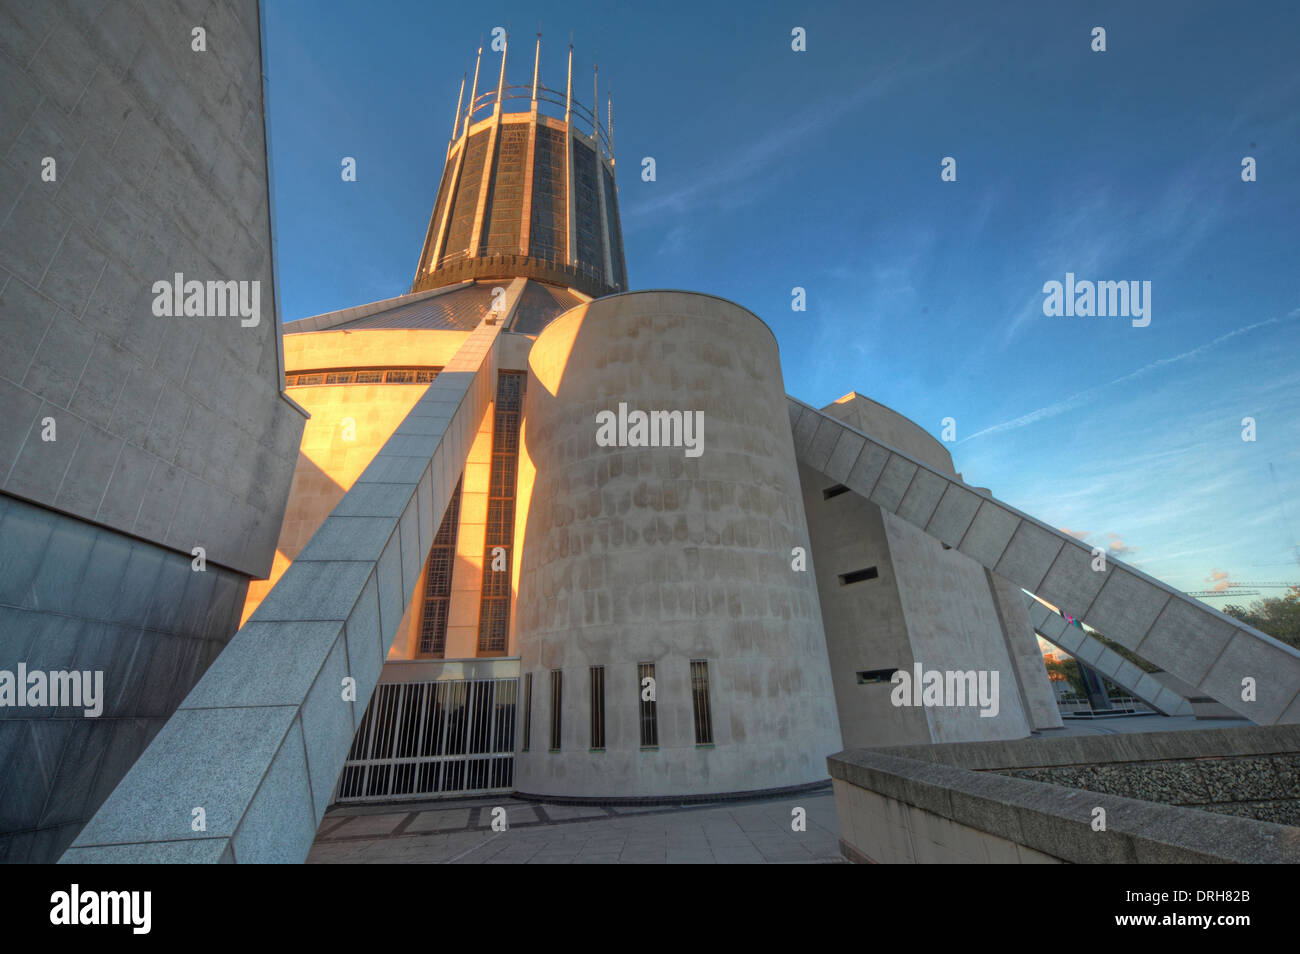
x=460, y=99
x=537, y=58
x=473, y=92
x=610, y=125
x=501, y=80
x=568, y=95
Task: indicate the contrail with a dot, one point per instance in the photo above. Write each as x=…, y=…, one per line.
x=1074, y=400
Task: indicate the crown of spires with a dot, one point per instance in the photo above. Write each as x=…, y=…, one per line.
x=584, y=119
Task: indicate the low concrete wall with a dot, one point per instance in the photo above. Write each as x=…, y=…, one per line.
x=974, y=802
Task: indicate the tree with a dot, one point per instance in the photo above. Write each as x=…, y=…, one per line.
x=1278, y=616
x=1064, y=670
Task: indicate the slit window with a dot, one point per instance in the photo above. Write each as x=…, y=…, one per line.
x=597, y=707
x=528, y=710
x=835, y=491
x=700, y=702
x=557, y=696
x=646, y=688
x=869, y=676
x=857, y=576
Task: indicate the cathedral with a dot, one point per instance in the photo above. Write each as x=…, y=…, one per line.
x=523, y=529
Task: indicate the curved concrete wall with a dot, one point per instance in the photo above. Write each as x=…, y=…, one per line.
x=646, y=555
x=887, y=425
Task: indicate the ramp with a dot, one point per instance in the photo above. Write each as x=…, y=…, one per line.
x=244, y=769
x=1203, y=647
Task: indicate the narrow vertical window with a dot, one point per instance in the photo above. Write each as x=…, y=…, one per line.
x=557, y=695
x=528, y=710
x=647, y=691
x=494, y=603
x=700, y=701
x=597, y=707
x=437, y=582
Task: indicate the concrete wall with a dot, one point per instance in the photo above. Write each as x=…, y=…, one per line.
x=1036, y=694
x=865, y=625
x=959, y=802
x=644, y=554
x=889, y=427
x=74, y=596
x=330, y=457
x=168, y=432
x=898, y=833
x=927, y=605
x=170, y=429
x=954, y=625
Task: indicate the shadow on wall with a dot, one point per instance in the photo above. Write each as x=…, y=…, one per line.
x=312, y=496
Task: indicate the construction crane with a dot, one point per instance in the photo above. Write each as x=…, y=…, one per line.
x=1237, y=589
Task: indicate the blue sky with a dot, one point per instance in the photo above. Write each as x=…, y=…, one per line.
x=821, y=169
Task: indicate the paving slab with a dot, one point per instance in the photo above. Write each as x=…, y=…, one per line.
x=459, y=832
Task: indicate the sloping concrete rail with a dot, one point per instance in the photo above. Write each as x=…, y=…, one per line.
x=244, y=769
x=1181, y=635
x=1091, y=651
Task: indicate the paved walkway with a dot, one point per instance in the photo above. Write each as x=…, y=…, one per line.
x=459, y=832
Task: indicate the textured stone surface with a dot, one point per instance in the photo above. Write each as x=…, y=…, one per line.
x=1036, y=691
x=1261, y=787
x=161, y=168
x=77, y=596
x=743, y=831
x=261, y=754
x=170, y=432
x=645, y=554
x=1030, y=554
x=914, y=803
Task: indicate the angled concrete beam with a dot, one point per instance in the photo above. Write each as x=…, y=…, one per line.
x=244, y=769
x=1095, y=654
x=1198, y=644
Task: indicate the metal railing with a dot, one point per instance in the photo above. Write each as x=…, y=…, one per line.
x=583, y=118
x=585, y=268
x=1120, y=705
x=422, y=740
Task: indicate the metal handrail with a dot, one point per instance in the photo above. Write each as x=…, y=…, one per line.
x=587, y=268
x=545, y=94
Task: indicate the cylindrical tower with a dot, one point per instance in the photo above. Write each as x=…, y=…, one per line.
x=664, y=549
x=528, y=190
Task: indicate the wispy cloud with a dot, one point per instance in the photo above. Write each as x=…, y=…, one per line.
x=747, y=170
x=1162, y=232
x=1081, y=398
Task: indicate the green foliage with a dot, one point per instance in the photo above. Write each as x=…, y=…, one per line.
x=1066, y=670
x=1277, y=616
